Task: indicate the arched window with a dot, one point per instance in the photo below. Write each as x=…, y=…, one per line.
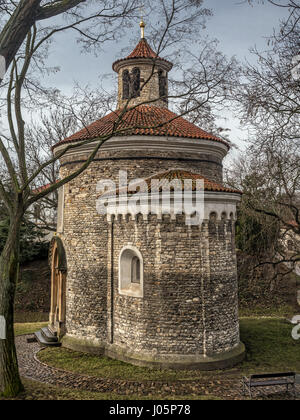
x=136, y=83
x=126, y=84
x=162, y=80
x=131, y=272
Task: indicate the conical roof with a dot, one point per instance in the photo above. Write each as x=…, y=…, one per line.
x=142, y=120
x=142, y=50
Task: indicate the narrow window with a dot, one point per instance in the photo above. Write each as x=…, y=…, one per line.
x=126, y=84
x=136, y=82
x=162, y=85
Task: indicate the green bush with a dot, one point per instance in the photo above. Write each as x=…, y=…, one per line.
x=32, y=243
x=256, y=235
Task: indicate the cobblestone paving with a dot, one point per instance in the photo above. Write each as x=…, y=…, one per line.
x=223, y=387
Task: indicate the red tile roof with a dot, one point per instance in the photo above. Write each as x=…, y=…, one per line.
x=143, y=120
x=175, y=174
x=142, y=50
x=183, y=175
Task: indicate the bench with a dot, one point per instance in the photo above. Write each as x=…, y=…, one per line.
x=287, y=379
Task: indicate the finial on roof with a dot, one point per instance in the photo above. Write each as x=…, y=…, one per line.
x=142, y=26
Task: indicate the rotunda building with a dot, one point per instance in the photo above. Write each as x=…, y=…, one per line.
x=147, y=287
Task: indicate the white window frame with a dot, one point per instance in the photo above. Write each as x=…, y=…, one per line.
x=126, y=287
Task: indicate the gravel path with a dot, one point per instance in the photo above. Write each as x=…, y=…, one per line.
x=31, y=368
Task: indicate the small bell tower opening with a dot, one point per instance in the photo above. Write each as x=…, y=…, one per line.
x=126, y=84
x=143, y=76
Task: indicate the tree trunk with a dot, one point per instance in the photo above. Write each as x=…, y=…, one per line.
x=10, y=382
x=26, y=14
x=16, y=29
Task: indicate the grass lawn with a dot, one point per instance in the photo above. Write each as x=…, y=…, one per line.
x=270, y=348
x=29, y=328
x=104, y=367
x=39, y=391
x=280, y=311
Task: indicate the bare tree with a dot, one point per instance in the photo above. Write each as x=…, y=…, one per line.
x=270, y=181
x=207, y=83
x=19, y=19
x=269, y=105
x=24, y=173
x=64, y=117
x=292, y=7
x=91, y=19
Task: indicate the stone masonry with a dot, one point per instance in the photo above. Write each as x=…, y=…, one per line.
x=85, y=236
x=180, y=307
x=184, y=310
x=150, y=92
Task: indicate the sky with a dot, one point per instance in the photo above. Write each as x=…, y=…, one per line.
x=235, y=24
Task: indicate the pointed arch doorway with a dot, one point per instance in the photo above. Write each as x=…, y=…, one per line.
x=58, y=264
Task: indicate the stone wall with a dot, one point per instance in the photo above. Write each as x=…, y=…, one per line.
x=146, y=163
x=190, y=303
x=86, y=234
x=190, y=288
x=222, y=286
x=85, y=240
x=149, y=82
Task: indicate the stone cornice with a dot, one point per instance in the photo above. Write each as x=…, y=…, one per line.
x=209, y=202
x=157, y=62
x=151, y=143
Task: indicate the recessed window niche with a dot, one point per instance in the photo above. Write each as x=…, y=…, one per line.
x=131, y=272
